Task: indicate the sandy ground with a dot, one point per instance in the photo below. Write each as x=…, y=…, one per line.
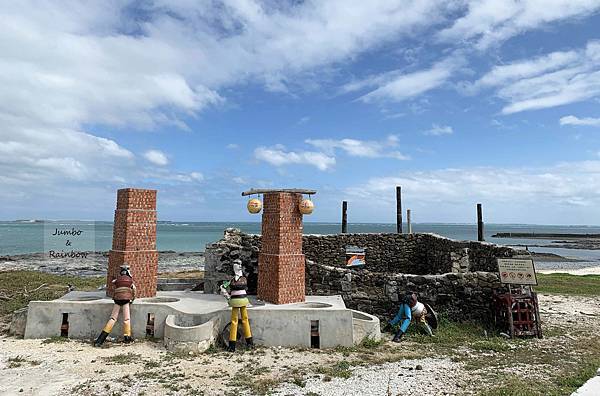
x=35, y=367
x=77, y=368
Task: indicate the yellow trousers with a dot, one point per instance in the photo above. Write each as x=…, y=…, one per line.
x=234, y=323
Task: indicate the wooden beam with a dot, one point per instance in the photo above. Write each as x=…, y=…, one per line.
x=399, y=209
x=479, y=223
x=254, y=191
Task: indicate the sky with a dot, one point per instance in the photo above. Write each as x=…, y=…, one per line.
x=459, y=102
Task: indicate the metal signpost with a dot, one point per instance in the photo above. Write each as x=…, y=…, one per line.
x=518, y=309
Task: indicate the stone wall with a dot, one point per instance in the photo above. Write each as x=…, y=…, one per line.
x=420, y=254
x=219, y=256
x=456, y=277
x=459, y=296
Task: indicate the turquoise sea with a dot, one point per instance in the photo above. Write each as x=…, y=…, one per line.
x=21, y=237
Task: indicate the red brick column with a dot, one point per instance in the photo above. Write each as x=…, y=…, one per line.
x=134, y=240
x=281, y=262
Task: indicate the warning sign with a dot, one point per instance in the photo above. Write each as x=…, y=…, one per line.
x=517, y=271
x=355, y=256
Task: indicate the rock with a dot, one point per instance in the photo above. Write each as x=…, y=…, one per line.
x=419, y=367
x=18, y=322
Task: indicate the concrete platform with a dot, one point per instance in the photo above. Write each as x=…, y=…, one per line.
x=192, y=321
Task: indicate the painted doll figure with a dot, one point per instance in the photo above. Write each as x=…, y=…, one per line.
x=123, y=295
x=411, y=310
x=235, y=291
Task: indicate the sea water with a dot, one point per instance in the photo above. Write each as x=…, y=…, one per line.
x=22, y=237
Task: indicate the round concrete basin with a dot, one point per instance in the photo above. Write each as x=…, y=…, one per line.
x=160, y=300
x=314, y=305
x=362, y=316
x=364, y=326
x=84, y=298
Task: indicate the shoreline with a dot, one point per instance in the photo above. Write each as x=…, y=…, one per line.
x=95, y=263
x=577, y=271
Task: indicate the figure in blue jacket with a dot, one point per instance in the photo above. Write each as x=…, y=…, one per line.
x=410, y=310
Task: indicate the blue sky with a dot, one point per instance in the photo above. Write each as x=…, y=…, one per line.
x=459, y=102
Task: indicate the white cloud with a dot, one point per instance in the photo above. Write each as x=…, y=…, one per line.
x=232, y=146
x=563, y=184
x=197, y=176
x=503, y=74
x=360, y=148
x=156, y=157
x=303, y=120
x=439, y=130
x=239, y=180
x=572, y=120
x=395, y=87
x=140, y=65
x=552, y=80
x=489, y=22
x=278, y=156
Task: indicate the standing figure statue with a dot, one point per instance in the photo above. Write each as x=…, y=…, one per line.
x=235, y=291
x=123, y=295
x=412, y=310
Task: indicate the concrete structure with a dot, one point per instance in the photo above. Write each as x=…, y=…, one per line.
x=134, y=240
x=281, y=262
x=192, y=321
x=590, y=388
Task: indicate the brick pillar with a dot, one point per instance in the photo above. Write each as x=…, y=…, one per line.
x=281, y=262
x=134, y=240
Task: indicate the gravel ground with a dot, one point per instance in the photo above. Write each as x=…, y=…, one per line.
x=36, y=367
x=408, y=377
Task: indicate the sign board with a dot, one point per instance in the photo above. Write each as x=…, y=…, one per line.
x=517, y=271
x=355, y=256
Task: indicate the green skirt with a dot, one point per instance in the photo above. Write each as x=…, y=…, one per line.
x=238, y=302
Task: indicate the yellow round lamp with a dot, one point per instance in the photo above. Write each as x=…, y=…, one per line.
x=254, y=205
x=306, y=206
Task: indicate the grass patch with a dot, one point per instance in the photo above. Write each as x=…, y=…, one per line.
x=370, y=343
x=340, y=369
x=123, y=358
x=55, y=340
x=249, y=382
x=18, y=361
x=494, y=344
x=449, y=333
x=581, y=285
x=560, y=385
x=17, y=284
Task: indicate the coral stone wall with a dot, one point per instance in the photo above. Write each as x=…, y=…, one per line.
x=456, y=277
x=460, y=296
x=407, y=253
x=134, y=240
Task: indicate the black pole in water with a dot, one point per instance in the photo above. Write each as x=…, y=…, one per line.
x=399, y=209
x=479, y=223
x=344, y=217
